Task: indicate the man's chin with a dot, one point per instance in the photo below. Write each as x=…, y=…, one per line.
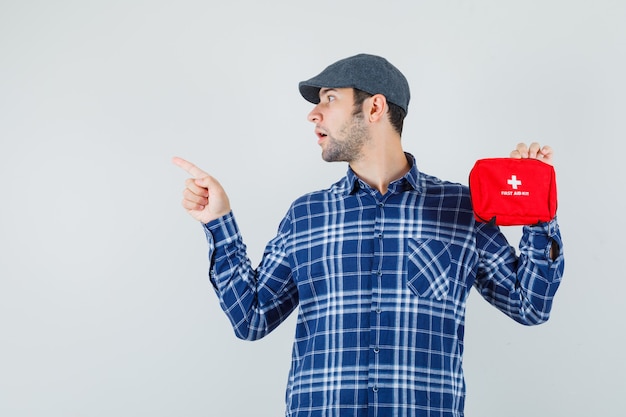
x=331, y=158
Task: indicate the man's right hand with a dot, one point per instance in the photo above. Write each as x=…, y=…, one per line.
x=203, y=198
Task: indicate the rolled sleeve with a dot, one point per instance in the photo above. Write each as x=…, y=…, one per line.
x=522, y=287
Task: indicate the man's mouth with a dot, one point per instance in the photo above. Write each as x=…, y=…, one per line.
x=321, y=135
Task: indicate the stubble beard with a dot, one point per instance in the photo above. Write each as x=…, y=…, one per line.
x=355, y=134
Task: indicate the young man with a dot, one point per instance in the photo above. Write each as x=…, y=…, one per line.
x=380, y=264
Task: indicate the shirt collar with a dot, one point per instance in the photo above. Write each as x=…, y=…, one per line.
x=410, y=181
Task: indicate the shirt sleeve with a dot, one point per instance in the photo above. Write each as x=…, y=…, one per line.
x=523, y=287
x=254, y=300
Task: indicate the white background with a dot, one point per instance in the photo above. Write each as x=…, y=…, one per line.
x=105, y=305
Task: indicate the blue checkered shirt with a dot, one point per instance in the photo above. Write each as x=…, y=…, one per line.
x=382, y=283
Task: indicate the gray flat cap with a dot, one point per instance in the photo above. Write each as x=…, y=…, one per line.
x=370, y=73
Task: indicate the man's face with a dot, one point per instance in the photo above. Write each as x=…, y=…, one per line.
x=340, y=128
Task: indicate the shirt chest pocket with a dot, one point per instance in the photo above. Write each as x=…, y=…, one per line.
x=428, y=265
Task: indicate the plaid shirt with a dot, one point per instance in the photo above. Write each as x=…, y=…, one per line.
x=381, y=282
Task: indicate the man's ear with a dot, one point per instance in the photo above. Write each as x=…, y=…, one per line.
x=377, y=108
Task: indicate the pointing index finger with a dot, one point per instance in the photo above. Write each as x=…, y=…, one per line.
x=193, y=170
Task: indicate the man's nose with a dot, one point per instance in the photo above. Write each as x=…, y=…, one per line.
x=314, y=115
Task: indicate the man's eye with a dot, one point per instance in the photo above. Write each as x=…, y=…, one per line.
x=331, y=98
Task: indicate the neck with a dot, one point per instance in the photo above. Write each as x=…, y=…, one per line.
x=378, y=166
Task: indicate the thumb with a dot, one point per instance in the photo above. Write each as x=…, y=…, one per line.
x=218, y=199
x=207, y=181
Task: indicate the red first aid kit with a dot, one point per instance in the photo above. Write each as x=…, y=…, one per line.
x=509, y=191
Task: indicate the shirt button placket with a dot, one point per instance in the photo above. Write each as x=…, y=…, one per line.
x=376, y=308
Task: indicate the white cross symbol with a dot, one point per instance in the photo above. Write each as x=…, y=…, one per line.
x=514, y=182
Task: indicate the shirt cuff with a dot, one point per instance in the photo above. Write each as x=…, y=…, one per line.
x=221, y=231
x=544, y=236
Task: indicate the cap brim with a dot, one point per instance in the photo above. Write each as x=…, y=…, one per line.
x=310, y=92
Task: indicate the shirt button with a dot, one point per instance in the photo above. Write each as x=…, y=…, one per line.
x=376, y=350
x=375, y=388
